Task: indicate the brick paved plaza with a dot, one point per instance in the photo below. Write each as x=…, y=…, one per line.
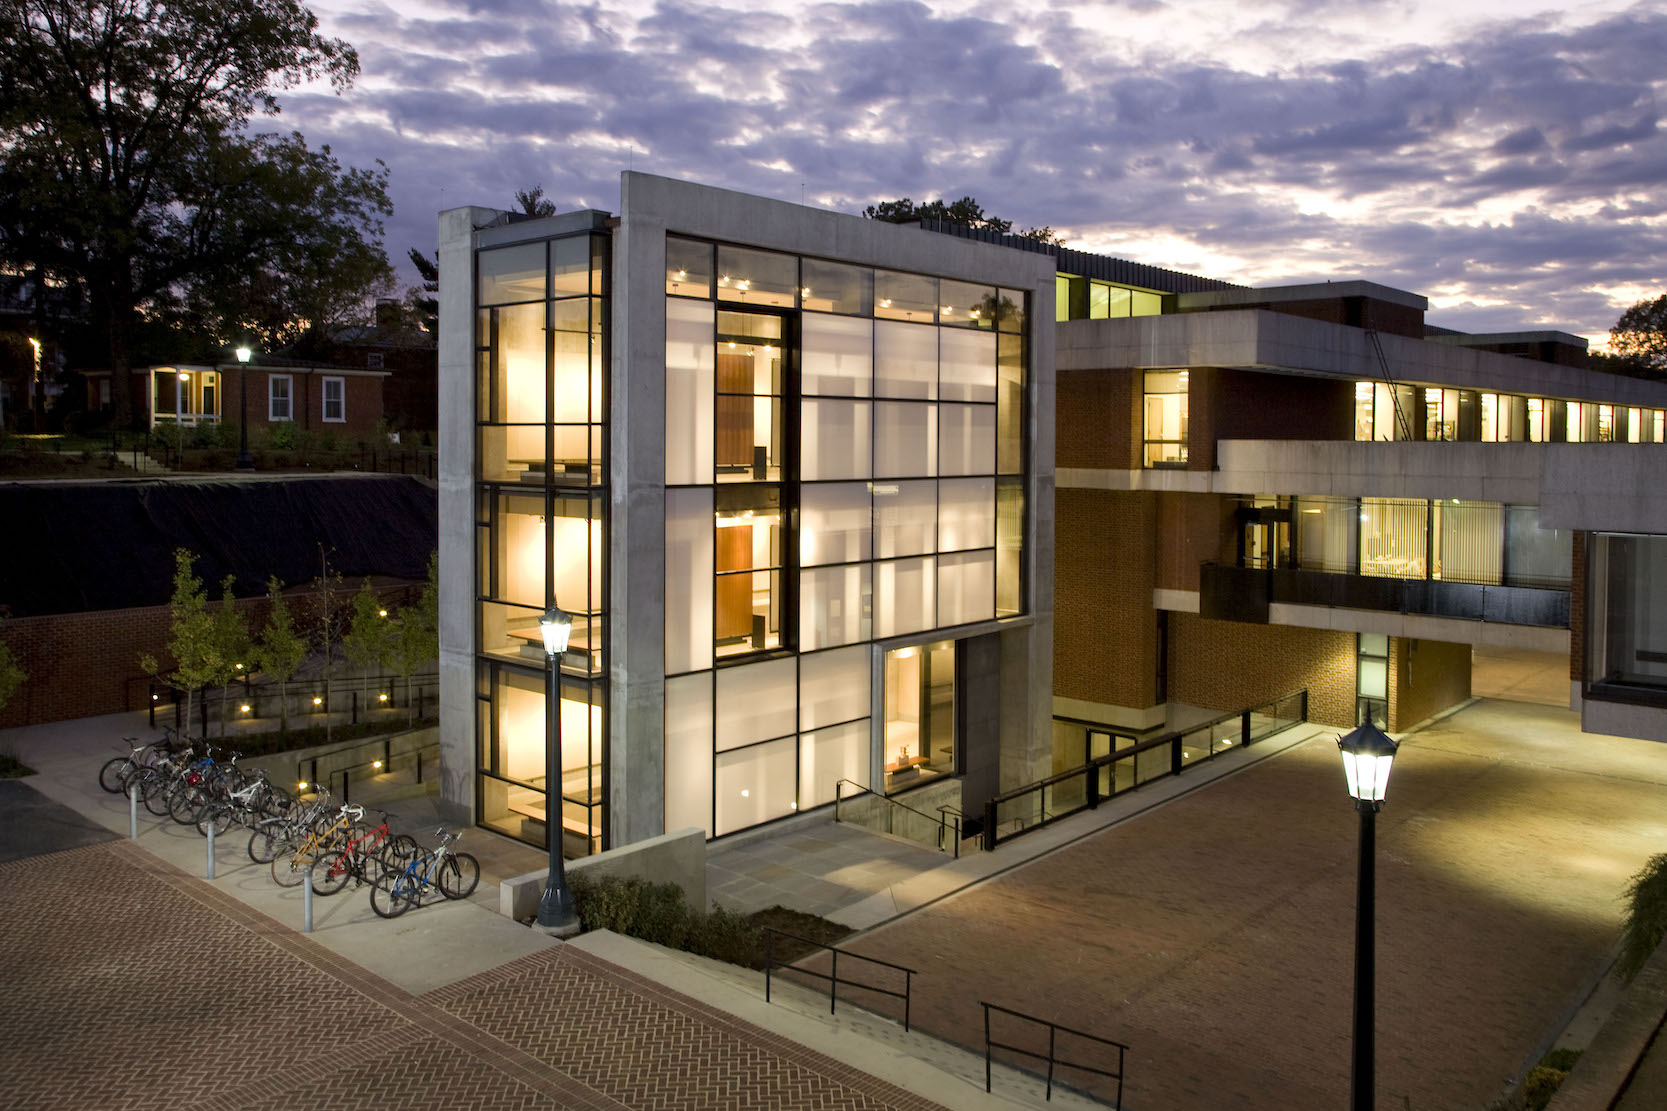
x=130, y=984
x=1215, y=934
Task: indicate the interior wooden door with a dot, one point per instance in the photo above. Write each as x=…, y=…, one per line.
x=733, y=617
x=734, y=411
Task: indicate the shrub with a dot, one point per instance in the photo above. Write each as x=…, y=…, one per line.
x=282, y=435
x=657, y=913
x=1646, y=921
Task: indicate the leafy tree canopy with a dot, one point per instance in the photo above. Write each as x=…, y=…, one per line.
x=965, y=213
x=126, y=168
x=534, y=203
x=1638, y=341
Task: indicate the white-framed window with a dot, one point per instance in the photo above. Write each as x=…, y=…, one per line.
x=279, y=397
x=335, y=400
x=373, y=361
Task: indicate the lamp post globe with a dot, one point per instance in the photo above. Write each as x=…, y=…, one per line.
x=245, y=461
x=1368, y=754
x=556, y=914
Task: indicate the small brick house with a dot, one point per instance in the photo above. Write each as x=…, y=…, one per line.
x=312, y=396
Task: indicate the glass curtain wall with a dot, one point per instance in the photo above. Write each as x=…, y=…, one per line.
x=845, y=462
x=540, y=519
x=1384, y=412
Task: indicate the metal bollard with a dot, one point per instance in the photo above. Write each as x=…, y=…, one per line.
x=307, y=902
x=211, y=849
x=132, y=811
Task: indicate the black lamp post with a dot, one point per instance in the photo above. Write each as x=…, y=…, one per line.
x=1368, y=753
x=245, y=462
x=556, y=915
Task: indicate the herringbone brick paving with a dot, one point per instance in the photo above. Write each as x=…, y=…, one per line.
x=133, y=985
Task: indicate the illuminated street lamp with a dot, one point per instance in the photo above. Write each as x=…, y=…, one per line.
x=245, y=461
x=1368, y=753
x=556, y=915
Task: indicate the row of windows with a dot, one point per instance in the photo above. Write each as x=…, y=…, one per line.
x=767, y=279
x=1385, y=412
x=280, y=398
x=1077, y=298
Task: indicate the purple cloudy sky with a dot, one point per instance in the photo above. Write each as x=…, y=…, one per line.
x=1500, y=157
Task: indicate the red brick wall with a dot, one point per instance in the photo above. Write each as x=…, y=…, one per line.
x=1192, y=529
x=81, y=664
x=1229, y=665
x=1098, y=419
x=1105, y=630
x=1425, y=678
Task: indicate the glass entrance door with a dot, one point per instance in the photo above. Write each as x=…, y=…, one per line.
x=920, y=714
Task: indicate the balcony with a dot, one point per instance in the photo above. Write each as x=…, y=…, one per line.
x=1230, y=593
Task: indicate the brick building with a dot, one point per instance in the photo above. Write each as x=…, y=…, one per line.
x=320, y=398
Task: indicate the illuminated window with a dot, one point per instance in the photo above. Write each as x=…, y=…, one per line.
x=1166, y=418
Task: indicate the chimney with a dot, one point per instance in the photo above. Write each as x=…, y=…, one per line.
x=387, y=312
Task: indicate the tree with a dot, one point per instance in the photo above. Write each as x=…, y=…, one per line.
x=11, y=675
x=424, y=301
x=125, y=166
x=326, y=622
x=964, y=213
x=191, y=638
x=369, y=640
x=417, y=633
x=232, y=646
x=534, y=203
x=1639, y=340
x=280, y=650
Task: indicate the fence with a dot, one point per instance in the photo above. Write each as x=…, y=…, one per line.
x=1133, y=763
x=1052, y=1056
x=302, y=701
x=362, y=760
x=832, y=975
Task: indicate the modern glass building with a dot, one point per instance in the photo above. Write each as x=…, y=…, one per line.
x=790, y=470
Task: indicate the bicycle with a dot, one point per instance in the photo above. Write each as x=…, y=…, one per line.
x=118, y=771
x=245, y=806
x=454, y=875
x=289, y=867
x=364, y=858
x=272, y=835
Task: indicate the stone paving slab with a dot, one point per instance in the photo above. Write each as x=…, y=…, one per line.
x=133, y=984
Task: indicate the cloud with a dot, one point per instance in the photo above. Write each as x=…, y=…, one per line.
x=1517, y=160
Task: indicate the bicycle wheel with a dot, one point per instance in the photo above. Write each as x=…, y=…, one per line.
x=276, y=801
x=113, y=775
x=215, y=815
x=288, y=870
x=183, y=806
x=394, y=895
x=263, y=844
x=459, y=873
x=157, y=798
x=332, y=872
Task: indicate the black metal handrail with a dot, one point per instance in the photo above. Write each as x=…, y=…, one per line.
x=948, y=820
x=1052, y=1056
x=1090, y=771
x=306, y=771
x=832, y=975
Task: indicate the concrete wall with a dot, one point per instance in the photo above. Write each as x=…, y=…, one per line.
x=678, y=857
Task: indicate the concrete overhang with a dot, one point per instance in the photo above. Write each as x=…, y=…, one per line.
x=1605, y=488
x=1308, y=291
x=1277, y=343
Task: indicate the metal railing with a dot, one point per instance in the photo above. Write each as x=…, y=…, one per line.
x=368, y=696
x=1038, y=804
x=1052, y=1056
x=380, y=756
x=945, y=829
x=832, y=975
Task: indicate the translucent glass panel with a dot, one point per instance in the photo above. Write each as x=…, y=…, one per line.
x=1394, y=537
x=576, y=362
x=835, y=523
x=515, y=570
x=836, y=355
x=575, y=266
x=833, y=439
x=1010, y=404
x=1326, y=529
x=836, y=606
x=747, y=611
x=520, y=726
x=748, y=438
x=758, y=277
x=829, y=755
x=905, y=439
x=833, y=287
x=1374, y=678
x=905, y=518
x=966, y=305
x=510, y=274
x=904, y=599
x=518, y=372
x=1468, y=539
x=911, y=297
x=966, y=439
x=1010, y=523
x=754, y=785
x=966, y=514
x=966, y=365
x=906, y=360
x=1535, y=556
x=833, y=687
x=688, y=267
x=688, y=733
x=756, y=702
x=691, y=379
x=966, y=587
x=689, y=573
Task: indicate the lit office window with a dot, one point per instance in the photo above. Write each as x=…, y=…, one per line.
x=1166, y=418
